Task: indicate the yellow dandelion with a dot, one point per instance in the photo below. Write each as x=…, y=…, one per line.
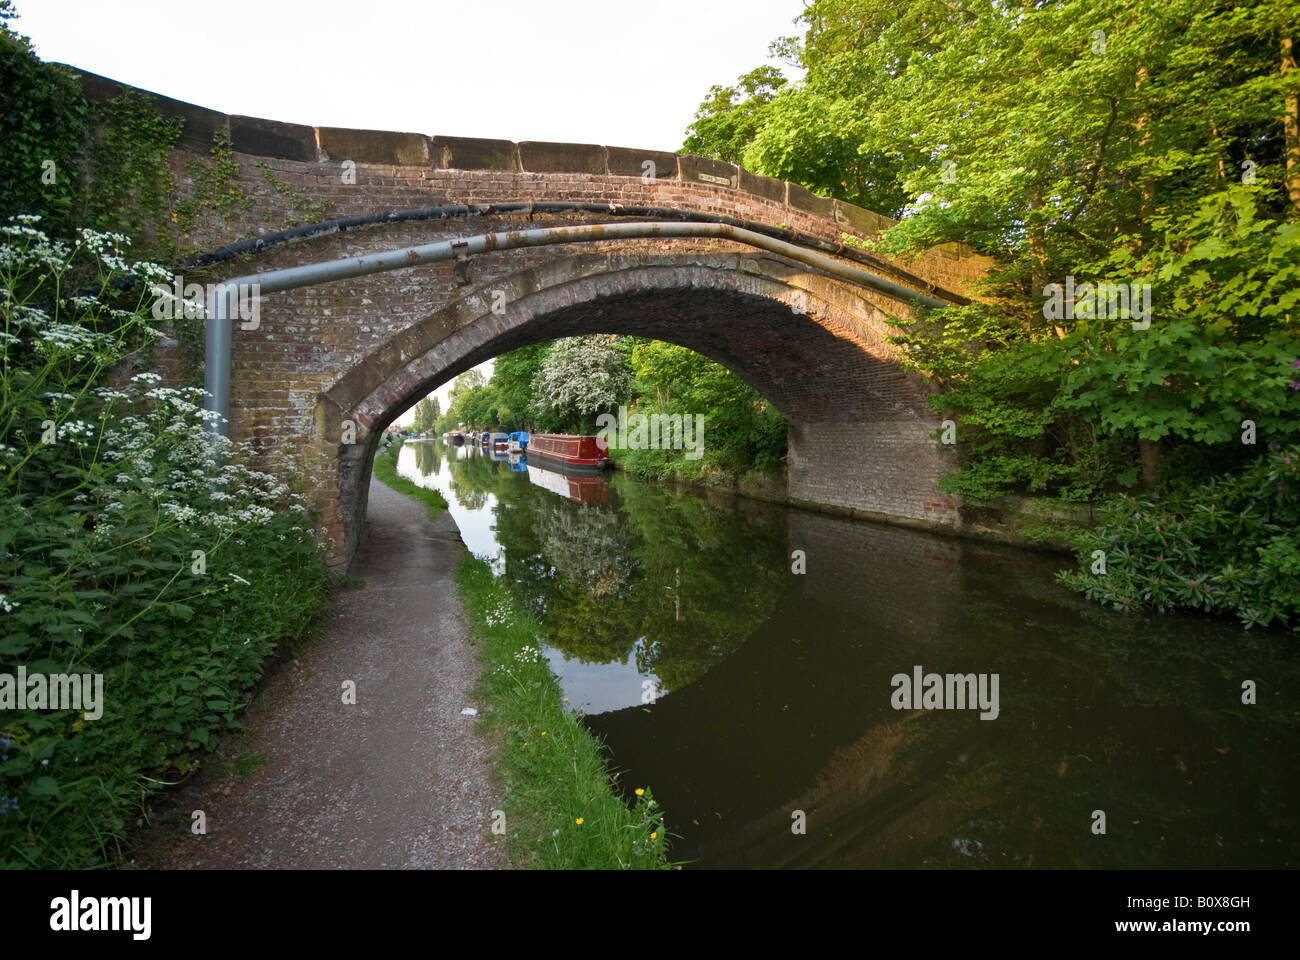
x=578, y=821
x=654, y=836
x=640, y=791
x=543, y=733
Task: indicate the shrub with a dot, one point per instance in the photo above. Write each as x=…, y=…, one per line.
x=130, y=546
x=1227, y=545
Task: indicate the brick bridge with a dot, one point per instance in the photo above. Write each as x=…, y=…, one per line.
x=365, y=349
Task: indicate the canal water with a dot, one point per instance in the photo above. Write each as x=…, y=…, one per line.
x=754, y=699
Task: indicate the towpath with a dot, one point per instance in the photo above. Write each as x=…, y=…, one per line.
x=398, y=780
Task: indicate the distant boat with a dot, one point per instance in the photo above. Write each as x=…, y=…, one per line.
x=579, y=453
x=495, y=441
x=518, y=441
x=456, y=437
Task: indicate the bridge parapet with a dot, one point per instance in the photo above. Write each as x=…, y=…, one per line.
x=474, y=170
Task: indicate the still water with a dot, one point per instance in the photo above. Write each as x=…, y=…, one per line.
x=771, y=691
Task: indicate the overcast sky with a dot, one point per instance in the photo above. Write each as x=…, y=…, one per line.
x=624, y=73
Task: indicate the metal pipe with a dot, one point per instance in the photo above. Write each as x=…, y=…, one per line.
x=217, y=377
x=530, y=208
x=218, y=341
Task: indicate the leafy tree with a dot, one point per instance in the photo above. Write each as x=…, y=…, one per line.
x=1104, y=141
x=742, y=428
x=579, y=378
x=729, y=117
x=427, y=414
x=513, y=374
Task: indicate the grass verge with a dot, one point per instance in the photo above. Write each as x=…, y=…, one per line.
x=562, y=807
x=386, y=472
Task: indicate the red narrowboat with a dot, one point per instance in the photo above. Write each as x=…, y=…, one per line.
x=579, y=453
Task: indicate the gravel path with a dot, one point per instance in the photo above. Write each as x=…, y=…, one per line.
x=398, y=780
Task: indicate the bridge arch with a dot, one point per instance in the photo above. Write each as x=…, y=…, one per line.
x=815, y=347
x=361, y=349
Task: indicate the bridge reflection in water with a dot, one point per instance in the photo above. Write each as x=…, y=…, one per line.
x=775, y=694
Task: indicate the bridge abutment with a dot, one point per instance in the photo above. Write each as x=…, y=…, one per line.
x=876, y=469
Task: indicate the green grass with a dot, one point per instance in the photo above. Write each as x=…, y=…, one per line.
x=247, y=764
x=561, y=804
x=386, y=472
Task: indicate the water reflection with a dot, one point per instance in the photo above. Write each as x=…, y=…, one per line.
x=775, y=688
x=619, y=573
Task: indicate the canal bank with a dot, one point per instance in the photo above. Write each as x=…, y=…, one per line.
x=1028, y=522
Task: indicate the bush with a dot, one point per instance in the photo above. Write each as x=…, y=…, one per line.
x=130, y=547
x=1227, y=545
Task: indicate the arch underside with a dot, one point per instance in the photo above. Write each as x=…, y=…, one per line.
x=815, y=348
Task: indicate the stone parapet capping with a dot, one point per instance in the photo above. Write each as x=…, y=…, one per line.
x=297, y=142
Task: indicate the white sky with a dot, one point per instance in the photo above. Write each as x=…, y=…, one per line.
x=626, y=73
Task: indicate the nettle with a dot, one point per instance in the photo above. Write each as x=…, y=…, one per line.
x=131, y=545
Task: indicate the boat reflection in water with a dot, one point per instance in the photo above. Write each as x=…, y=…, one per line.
x=569, y=483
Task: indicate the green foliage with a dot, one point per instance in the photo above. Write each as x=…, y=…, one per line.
x=564, y=385
x=130, y=184
x=579, y=378
x=216, y=191
x=301, y=209
x=1227, y=545
x=74, y=162
x=730, y=116
x=427, y=413
x=562, y=811
x=473, y=402
x=513, y=374
x=44, y=120
x=742, y=430
x=1119, y=142
x=1102, y=141
x=129, y=548
x=1219, y=353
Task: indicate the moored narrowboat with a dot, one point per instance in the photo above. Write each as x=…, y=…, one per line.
x=579, y=453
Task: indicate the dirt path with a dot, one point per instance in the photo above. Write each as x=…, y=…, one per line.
x=400, y=779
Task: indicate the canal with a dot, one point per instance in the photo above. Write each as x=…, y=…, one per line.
x=754, y=699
